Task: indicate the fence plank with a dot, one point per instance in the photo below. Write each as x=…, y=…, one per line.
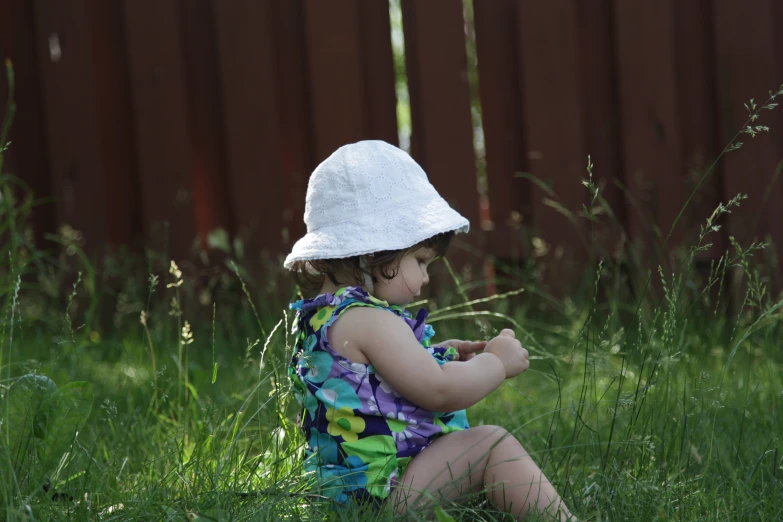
x=442, y=131
x=6, y=47
x=694, y=60
x=378, y=71
x=72, y=140
x=161, y=132
x=598, y=71
x=496, y=47
x=250, y=121
x=652, y=137
x=350, y=58
x=27, y=157
x=210, y=198
x=337, y=95
x=296, y=131
x=747, y=67
x=554, y=118
x=112, y=98
x=6, y=52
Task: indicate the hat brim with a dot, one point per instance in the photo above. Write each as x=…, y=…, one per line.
x=355, y=236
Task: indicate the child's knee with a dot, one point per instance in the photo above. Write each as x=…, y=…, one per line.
x=501, y=440
x=492, y=434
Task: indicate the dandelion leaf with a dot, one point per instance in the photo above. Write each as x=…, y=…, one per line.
x=25, y=399
x=63, y=415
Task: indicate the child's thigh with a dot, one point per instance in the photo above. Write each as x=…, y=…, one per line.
x=451, y=466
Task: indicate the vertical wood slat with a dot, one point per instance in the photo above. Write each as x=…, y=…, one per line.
x=73, y=142
x=694, y=60
x=27, y=157
x=442, y=130
x=160, y=124
x=378, y=71
x=350, y=72
x=652, y=137
x=553, y=108
x=250, y=121
x=502, y=119
x=598, y=71
x=117, y=149
x=6, y=49
x=296, y=131
x=777, y=193
x=210, y=201
x=337, y=97
x=6, y=52
x=746, y=67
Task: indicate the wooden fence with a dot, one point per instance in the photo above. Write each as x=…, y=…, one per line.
x=210, y=113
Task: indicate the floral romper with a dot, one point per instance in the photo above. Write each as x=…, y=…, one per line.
x=360, y=433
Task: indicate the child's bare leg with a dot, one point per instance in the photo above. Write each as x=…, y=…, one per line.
x=466, y=461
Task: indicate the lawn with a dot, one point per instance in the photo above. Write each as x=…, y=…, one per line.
x=666, y=407
x=133, y=389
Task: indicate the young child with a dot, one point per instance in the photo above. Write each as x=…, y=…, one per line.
x=384, y=408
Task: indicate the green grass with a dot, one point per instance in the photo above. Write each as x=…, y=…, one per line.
x=673, y=412
x=654, y=396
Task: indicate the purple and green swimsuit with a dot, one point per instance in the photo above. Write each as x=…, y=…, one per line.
x=360, y=433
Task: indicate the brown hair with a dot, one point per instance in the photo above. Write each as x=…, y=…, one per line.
x=310, y=275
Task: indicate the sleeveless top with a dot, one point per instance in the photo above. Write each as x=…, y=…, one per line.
x=360, y=432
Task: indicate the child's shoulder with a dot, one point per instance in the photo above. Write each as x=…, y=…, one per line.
x=352, y=307
x=367, y=318
x=344, y=297
x=357, y=326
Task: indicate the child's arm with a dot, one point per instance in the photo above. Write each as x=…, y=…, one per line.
x=465, y=349
x=389, y=344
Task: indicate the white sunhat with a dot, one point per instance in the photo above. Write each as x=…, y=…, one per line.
x=370, y=197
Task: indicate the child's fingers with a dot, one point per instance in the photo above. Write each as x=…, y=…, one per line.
x=464, y=346
x=465, y=349
x=508, y=332
x=468, y=349
x=473, y=346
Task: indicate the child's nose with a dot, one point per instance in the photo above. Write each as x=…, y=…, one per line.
x=426, y=277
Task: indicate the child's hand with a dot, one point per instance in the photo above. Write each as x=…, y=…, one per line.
x=466, y=349
x=506, y=348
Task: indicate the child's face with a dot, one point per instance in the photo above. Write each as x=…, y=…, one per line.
x=405, y=287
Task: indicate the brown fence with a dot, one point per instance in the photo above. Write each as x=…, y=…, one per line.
x=159, y=120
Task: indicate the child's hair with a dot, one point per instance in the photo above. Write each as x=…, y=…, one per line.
x=310, y=275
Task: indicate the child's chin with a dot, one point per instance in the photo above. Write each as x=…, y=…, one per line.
x=398, y=301
x=404, y=302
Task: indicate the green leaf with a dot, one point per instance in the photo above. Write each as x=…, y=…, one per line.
x=6, y=472
x=559, y=208
x=441, y=515
x=216, y=514
x=538, y=181
x=65, y=412
x=25, y=399
x=173, y=515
